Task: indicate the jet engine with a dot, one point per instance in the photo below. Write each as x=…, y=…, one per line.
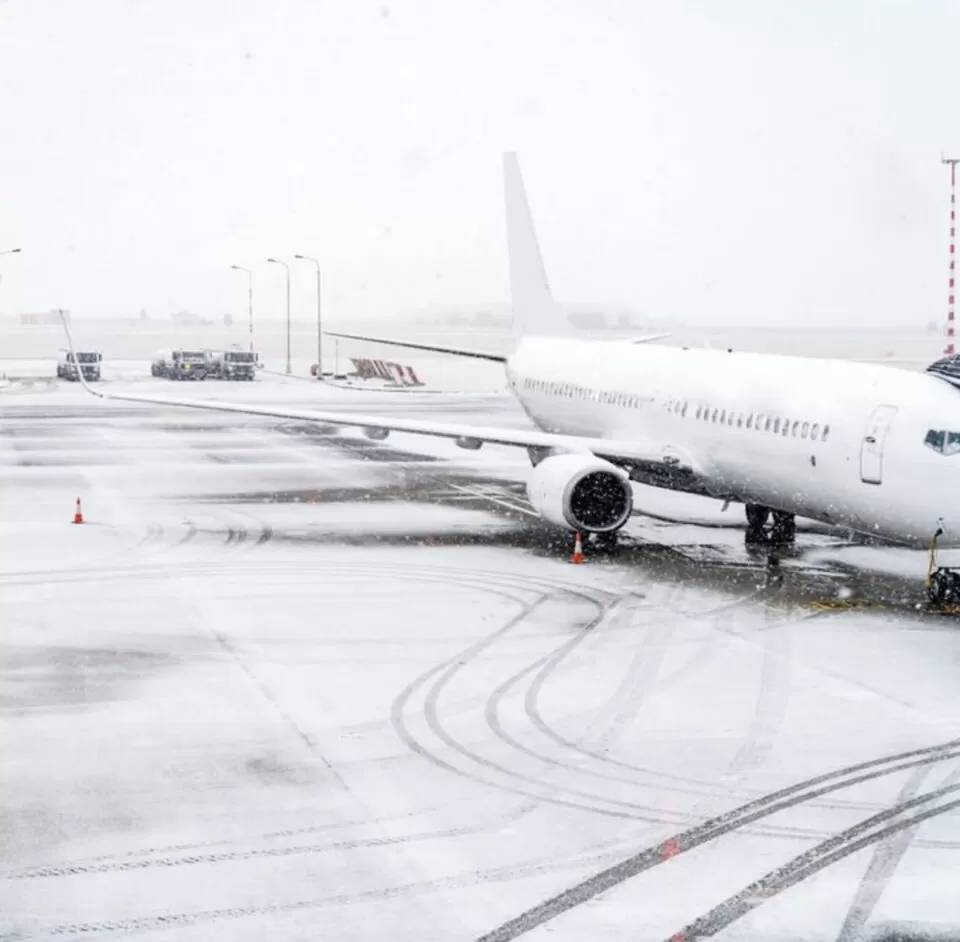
x=581, y=492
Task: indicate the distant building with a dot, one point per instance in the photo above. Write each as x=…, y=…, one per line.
x=42, y=320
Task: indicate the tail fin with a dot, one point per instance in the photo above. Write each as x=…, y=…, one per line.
x=534, y=310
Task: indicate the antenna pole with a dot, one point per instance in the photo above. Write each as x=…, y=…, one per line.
x=950, y=348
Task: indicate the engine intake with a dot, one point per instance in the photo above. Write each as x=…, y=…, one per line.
x=581, y=492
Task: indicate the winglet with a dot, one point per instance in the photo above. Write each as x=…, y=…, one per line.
x=534, y=310
x=73, y=354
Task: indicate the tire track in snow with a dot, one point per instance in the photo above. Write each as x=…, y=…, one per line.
x=883, y=864
x=883, y=826
x=511, y=587
x=716, y=827
x=849, y=842
x=438, y=676
x=634, y=700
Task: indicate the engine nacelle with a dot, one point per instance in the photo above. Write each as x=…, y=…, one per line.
x=581, y=492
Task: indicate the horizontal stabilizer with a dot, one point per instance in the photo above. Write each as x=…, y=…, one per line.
x=432, y=348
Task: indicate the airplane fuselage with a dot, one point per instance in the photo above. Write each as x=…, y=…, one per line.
x=832, y=440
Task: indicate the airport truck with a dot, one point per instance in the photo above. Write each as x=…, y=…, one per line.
x=180, y=364
x=88, y=361
x=233, y=365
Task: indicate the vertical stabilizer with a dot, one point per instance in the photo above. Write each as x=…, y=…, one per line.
x=534, y=310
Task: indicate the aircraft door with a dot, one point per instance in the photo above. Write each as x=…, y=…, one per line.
x=871, y=448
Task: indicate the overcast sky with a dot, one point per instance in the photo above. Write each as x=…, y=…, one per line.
x=744, y=161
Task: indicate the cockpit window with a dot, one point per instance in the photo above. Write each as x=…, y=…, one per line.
x=946, y=443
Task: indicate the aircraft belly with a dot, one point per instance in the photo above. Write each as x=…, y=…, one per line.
x=783, y=482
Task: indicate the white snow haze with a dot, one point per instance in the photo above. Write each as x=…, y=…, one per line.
x=746, y=162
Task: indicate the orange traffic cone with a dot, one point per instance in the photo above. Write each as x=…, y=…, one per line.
x=577, y=550
x=78, y=513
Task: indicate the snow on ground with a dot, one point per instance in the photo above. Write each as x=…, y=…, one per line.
x=294, y=686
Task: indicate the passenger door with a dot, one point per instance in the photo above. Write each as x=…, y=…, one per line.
x=871, y=448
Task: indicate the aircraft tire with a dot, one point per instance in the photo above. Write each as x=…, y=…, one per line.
x=784, y=528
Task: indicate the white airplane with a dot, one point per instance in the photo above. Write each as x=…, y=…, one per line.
x=867, y=447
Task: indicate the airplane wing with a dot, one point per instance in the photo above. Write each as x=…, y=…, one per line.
x=468, y=435
x=432, y=348
x=650, y=454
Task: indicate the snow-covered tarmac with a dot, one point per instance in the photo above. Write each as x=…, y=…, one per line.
x=289, y=683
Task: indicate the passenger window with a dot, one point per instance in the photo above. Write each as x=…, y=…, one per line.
x=804, y=429
x=815, y=431
x=683, y=411
x=723, y=416
x=740, y=420
x=795, y=428
x=716, y=412
x=826, y=432
x=776, y=426
x=750, y=420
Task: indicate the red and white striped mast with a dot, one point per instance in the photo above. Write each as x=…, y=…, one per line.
x=950, y=349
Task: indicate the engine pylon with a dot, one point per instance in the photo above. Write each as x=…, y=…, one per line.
x=78, y=513
x=577, y=550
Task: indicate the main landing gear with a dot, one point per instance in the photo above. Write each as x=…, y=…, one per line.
x=782, y=531
x=943, y=582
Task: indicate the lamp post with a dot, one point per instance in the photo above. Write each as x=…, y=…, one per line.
x=277, y=261
x=307, y=258
x=249, y=298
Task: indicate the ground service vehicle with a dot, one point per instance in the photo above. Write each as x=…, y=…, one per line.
x=232, y=364
x=180, y=364
x=89, y=362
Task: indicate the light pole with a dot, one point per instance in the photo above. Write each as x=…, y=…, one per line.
x=277, y=261
x=249, y=297
x=307, y=258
